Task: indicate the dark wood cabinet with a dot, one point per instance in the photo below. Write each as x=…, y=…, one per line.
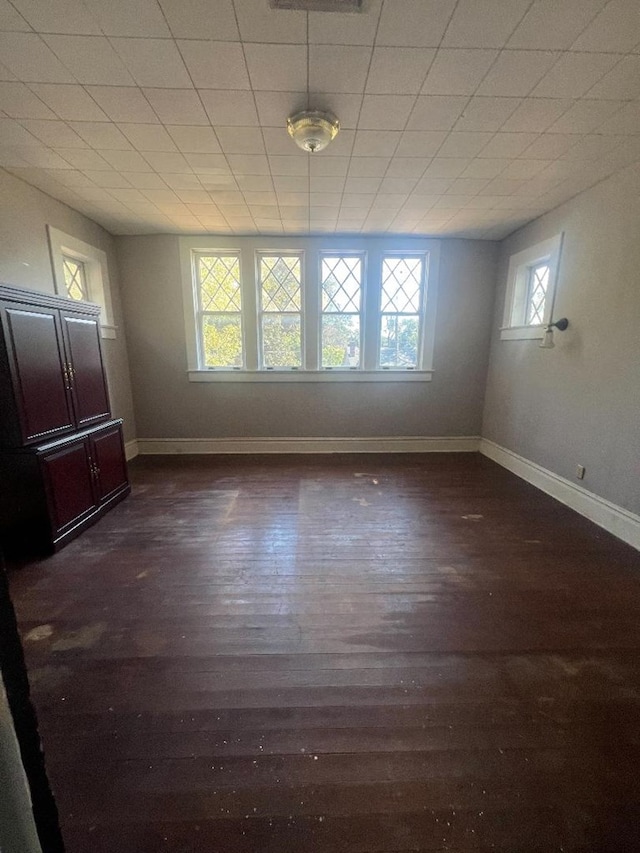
x=62, y=460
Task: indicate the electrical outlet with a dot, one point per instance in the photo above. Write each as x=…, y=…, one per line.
x=580, y=472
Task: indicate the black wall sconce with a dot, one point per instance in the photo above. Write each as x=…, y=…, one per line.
x=560, y=325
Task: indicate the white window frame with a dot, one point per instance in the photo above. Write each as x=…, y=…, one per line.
x=280, y=253
x=362, y=257
x=371, y=249
x=514, y=326
x=424, y=257
x=96, y=273
x=197, y=302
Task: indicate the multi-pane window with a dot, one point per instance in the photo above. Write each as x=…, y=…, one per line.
x=401, y=310
x=537, y=286
x=75, y=279
x=280, y=287
x=220, y=310
x=341, y=282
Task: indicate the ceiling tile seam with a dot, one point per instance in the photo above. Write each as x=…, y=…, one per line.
x=29, y=29
x=224, y=154
x=357, y=122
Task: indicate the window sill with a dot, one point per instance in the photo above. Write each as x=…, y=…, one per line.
x=522, y=333
x=309, y=376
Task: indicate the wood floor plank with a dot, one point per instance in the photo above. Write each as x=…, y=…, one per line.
x=380, y=654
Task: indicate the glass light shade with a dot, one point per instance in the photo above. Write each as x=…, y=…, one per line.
x=312, y=130
x=547, y=341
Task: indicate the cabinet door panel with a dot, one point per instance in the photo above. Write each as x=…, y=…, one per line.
x=108, y=454
x=89, y=390
x=37, y=363
x=69, y=484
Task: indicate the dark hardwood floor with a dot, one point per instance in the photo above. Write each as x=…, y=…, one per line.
x=342, y=653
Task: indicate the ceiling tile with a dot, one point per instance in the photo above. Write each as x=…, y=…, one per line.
x=336, y=68
x=328, y=185
x=385, y=112
x=181, y=181
x=31, y=60
x=259, y=23
x=616, y=28
x=84, y=158
x=281, y=165
x=256, y=183
x=431, y=186
x=483, y=23
x=368, y=167
x=148, y=137
x=198, y=19
x=622, y=82
x=407, y=167
x=194, y=139
x=17, y=101
x=626, y=120
x=446, y=167
x=107, y=179
x=55, y=134
x=53, y=16
x=45, y=158
x=397, y=185
x=278, y=141
x=507, y=145
x=458, y=72
x=420, y=143
x=123, y=104
x=345, y=107
x=146, y=180
x=276, y=67
x=229, y=108
x=463, y=144
x=69, y=102
x=177, y=106
x=585, y=116
x=550, y=25
x=153, y=62
x=329, y=28
x=215, y=65
x=591, y=147
x=11, y=20
x=5, y=74
x=436, y=112
x=171, y=162
x=330, y=167
x=91, y=59
x=240, y=140
x=486, y=113
x=126, y=161
x=524, y=169
x=129, y=18
x=249, y=164
x=516, y=72
x=398, y=70
x=414, y=23
x=536, y=114
x=101, y=134
x=373, y=143
x=574, y=74
x=484, y=168
x=275, y=107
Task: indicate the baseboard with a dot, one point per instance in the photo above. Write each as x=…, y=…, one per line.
x=131, y=449
x=393, y=444
x=622, y=523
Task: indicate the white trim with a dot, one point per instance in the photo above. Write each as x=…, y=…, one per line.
x=131, y=449
x=391, y=444
x=326, y=375
x=96, y=271
x=613, y=518
x=515, y=307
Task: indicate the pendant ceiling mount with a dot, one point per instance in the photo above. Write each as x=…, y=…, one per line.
x=313, y=130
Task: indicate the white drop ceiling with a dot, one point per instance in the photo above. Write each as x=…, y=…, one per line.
x=459, y=117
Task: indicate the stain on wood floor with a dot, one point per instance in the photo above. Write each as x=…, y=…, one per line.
x=338, y=654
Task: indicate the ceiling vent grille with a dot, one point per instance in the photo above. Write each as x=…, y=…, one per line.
x=318, y=5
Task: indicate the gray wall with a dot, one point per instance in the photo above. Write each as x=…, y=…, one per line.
x=25, y=213
x=169, y=406
x=580, y=402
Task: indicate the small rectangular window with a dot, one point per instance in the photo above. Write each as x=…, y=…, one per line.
x=537, y=286
x=341, y=327
x=280, y=289
x=530, y=293
x=401, y=311
x=75, y=279
x=220, y=310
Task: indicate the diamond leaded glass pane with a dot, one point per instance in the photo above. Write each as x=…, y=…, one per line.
x=538, y=283
x=401, y=285
x=341, y=284
x=75, y=279
x=280, y=278
x=219, y=277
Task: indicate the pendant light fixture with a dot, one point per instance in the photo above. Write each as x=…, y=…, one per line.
x=312, y=130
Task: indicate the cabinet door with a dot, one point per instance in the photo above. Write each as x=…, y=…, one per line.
x=107, y=450
x=88, y=384
x=69, y=485
x=36, y=354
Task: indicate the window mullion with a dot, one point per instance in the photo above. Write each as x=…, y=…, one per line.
x=250, y=315
x=371, y=304
x=311, y=305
